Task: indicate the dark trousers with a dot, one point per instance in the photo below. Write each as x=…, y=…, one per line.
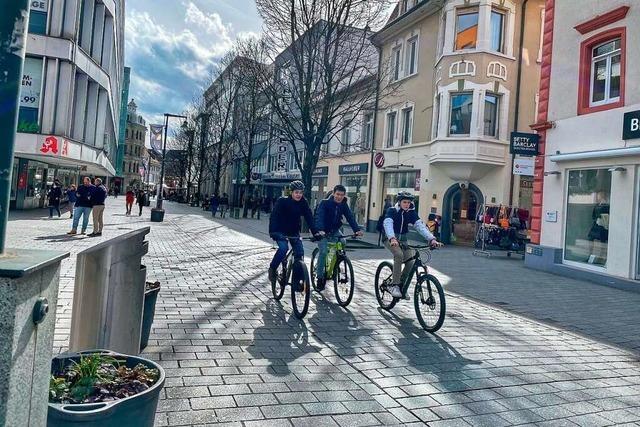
x=53, y=206
x=283, y=247
x=140, y=213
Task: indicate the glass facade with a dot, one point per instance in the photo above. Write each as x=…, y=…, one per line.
x=356, y=186
x=396, y=182
x=587, y=225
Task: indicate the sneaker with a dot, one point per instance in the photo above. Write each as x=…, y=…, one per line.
x=84, y=232
x=395, y=291
x=320, y=284
x=72, y=232
x=273, y=275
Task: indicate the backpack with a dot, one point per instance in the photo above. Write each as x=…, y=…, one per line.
x=380, y=225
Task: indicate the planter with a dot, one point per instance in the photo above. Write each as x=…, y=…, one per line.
x=157, y=215
x=135, y=411
x=150, y=298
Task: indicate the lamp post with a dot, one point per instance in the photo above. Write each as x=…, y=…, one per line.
x=157, y=214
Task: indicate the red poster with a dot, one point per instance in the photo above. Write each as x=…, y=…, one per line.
x=22, y=180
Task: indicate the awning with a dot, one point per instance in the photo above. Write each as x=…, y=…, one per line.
x=63, y=152
x=600, y=154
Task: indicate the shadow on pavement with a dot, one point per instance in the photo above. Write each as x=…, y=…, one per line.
x=60, y=238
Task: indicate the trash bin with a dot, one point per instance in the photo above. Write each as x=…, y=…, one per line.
x=108, y=295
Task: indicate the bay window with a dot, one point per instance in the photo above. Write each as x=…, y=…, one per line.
x=460, y=113
x=497, y=31
x=491, y=112
x=466, y=28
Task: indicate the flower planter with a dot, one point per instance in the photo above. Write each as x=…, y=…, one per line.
x=134, y=411
x=150, y=298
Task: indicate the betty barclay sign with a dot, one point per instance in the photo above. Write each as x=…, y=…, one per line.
x=524, y=144
x=378, y=160
x=631, y=125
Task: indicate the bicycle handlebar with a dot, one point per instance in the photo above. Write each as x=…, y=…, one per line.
x=318, y=237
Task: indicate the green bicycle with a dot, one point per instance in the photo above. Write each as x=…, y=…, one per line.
x=338, y=268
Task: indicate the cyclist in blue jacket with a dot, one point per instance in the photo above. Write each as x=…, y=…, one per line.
x=285, y=223
x=328, y=220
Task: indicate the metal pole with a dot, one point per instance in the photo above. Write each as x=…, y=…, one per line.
x=14, y=21
x=164, y=153
x=190, y=135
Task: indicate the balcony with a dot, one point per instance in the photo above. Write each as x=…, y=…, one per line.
x=464, y=159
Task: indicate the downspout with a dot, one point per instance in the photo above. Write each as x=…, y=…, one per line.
x=373, y=137
x=516, y=113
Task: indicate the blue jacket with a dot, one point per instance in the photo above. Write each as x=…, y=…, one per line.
x=397, y=221
x=286, y=217
x=71, y=195
x=84, y=196
x=329, y=216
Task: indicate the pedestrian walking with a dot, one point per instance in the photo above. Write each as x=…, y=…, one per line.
x=54, y=195
x=141, y=199
x=116, y=191
x=72, y=197
x=83, y=206
x=129, y=198
x=257, y=202
x=224, y=205
x=214, y=203
x=98, y=196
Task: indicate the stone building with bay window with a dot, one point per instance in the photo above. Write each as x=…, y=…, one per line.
x=586, y=212
x=466, y=76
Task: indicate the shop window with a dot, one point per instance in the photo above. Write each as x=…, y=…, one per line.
x=460, y=113
x=466, y=28
x=407, y=125
x=587, y=233
x=411, y=59
x=491, y=115
x=356, y=186
x=497, y=31
x=602, y=71
x=391, y=128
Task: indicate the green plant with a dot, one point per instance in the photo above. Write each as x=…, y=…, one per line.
x=58, y=388
x=89, y=371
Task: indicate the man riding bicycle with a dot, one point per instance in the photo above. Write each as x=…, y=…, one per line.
x=285, y=223
x=396, y=226
x=328, y=221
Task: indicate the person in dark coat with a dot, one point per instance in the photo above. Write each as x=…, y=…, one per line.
x=54, y=195
x=72, y=198
x=141, y=200
x=214, y=203
x=83, y=206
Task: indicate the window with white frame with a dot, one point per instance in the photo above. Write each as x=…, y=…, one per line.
x=396, y=63
x=392, y=118
x=497, y=30
x=411, y=60
x=491, y=114
x=466, y=28
x=367, y=131
x=407, y=125
x=460, y=113
x=605, y=73
x=345, y=138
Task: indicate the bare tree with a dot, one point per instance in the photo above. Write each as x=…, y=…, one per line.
x=322, y=53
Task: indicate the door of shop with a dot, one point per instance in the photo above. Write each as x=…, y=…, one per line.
x=460, y=207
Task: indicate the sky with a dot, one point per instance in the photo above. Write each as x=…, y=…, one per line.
x=172, y=47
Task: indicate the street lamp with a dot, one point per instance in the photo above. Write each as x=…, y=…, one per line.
x=157, y=214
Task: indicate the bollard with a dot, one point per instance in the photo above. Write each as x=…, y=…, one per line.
x=28, y=296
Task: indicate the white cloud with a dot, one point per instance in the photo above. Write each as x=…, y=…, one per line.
x=211, y=23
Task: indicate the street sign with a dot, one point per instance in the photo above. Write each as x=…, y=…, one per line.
x=525, y=144
x=631, y=125
x=378, y=160
x=524, y=166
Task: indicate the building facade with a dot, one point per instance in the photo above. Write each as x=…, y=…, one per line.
x=587, y=216
x=462, y=75
x=133, y=169
x=70, y=101
x=119, y=161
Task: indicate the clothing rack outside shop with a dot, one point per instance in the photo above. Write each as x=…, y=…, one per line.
x=501, y=228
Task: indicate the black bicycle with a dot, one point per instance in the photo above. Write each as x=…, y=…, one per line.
x=338, y=268
x=295, y=274
x=428, y=295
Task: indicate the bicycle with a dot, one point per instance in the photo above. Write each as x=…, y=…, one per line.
x=338, y=268
x=295, y=274
x=424, y=295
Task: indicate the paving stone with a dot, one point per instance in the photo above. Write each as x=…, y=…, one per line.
x=282, y=411
x=212, y=402
x=325, y=408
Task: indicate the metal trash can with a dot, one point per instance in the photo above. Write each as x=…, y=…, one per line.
x=108, y=295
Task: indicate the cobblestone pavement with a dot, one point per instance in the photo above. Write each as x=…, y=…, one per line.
x=234, y=356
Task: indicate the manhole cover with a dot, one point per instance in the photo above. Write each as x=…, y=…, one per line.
x=237, y=342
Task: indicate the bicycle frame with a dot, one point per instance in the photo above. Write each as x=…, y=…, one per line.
x=408, y=277
x=334, y=250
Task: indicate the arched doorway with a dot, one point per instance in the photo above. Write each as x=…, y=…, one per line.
x=459, y=211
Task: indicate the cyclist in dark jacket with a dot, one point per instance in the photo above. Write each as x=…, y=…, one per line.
x=285, y=222
x=328, y=221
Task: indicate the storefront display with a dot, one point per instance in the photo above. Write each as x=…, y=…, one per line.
x=587, y=233
x=396, y=182
x=354, y=177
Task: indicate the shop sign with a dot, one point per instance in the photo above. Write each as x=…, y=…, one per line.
x=31, y=83
x=631, y=125
x=524, y=166
x=38, y=5
x=524, y=144
x=282, y=175
x=321, y=171
x=356, y=169
x=378, y=160
x=416, y=186
x=551, y=216
x=281, y=156
x=49, y=145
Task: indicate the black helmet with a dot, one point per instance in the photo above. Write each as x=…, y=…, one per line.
x=296, y=185
x=404, y=195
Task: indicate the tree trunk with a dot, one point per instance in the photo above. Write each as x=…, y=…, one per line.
x=216, y=184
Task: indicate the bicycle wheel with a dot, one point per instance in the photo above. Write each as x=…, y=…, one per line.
x=343, y=281
x=300, y=280
x=429, y=302
x=314, y=265
x=278, y=286
x=384, y=277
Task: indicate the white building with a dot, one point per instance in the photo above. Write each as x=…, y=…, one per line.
x=586, y=195
x=70, y=100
